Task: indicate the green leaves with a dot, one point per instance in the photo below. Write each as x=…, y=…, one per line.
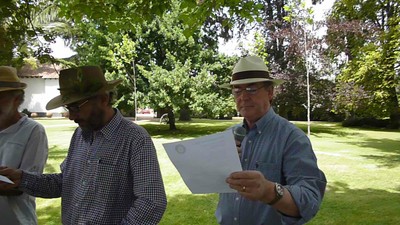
x=370, y=35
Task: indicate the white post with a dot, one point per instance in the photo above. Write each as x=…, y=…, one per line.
x=134, y=87
x=308, y=84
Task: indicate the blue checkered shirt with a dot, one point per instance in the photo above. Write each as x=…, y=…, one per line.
x=111, y=176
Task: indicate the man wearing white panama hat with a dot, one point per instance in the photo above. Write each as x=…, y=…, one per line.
x=280, y=182
x=23, y=145
x=111, y=174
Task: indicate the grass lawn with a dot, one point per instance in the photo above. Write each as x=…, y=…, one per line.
x=362, y=167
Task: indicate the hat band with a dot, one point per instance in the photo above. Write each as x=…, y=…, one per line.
x=250, y=74
x=10, y=84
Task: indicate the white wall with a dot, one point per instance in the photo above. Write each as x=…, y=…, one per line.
x=38, y=93
x=51, y=91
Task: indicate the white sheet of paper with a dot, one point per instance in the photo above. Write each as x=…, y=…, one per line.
x=5, y=179
x=204, y=163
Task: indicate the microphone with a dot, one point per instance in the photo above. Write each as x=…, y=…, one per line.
x=239, y=133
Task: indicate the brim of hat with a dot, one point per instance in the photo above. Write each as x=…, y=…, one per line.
x=23, y=86
x=59, y=101
x=252, y=80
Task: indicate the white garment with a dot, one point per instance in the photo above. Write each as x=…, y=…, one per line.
x=23, y=145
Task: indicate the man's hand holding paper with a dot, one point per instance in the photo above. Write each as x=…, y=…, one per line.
x=204, y=163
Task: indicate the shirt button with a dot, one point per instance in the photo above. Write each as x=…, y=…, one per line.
x=237, y=199
x=259, y=132
x=84, y=182
x=235, y=218
x=245, y=160
x=76, y=204
x=249, y=141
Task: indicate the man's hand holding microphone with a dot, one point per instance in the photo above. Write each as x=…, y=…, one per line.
x=239, y=133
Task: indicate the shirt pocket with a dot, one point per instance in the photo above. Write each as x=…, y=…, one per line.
x=270, y=171
x=107, y=178
x=11, y=154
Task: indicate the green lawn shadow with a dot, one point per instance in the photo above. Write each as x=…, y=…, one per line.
x=319, y=128
x=198, y=209
x=52, y=215
x=389, y=146
x=56, y=153
x=339, y=203
x=190, y=129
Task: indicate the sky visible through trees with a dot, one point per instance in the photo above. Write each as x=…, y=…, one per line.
x=231, y=47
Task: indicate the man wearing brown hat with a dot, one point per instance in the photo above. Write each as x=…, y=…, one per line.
x=280, y=182
x=23, y=145
x=111, y=174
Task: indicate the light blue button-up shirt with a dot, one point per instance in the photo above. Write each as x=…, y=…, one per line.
x=23, y=145
x=283, y=153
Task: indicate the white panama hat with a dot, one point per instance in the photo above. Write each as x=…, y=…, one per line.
x=251, y=69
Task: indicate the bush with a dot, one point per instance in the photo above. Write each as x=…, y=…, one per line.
x=366, y=122
x=27, y=112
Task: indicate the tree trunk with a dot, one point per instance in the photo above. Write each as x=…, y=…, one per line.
x=184, y=115
x=394, y=111
x=171, y=121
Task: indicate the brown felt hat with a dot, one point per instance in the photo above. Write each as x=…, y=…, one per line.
x=80, y=83
x=251, y=69
x=9, y=80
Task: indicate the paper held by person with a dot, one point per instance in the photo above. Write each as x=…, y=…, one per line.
x=204, y=163
x=5, y=179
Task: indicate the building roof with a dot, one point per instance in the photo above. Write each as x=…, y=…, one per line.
x=45, y=71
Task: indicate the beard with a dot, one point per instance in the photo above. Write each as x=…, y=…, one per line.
x=6, y=113
x=95, y=120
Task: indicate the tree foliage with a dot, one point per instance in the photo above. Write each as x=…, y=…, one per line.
x=26, y=30
x=367, y=33
x=174, y=73
x=170, y=50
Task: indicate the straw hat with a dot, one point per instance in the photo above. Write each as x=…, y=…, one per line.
x=80, y=83
x=9, y=80
x=251, y=69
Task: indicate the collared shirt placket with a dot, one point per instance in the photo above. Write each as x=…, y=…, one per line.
x=89, y=174
x=248, y=163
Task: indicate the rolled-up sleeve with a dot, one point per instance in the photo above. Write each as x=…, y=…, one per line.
x=302, y=177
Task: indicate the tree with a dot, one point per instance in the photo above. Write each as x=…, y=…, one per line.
x=165, y=61
x=23, y=23
x=286, y=39
x=27, y=28
x=186, y=30
x=367, y=33
x=302, y=21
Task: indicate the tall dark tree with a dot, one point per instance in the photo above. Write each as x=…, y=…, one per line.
x=367, y=33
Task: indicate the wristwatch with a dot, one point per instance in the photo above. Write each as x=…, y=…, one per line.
x=279, y=190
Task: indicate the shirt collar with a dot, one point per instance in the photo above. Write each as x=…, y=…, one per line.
x=108, y=130
x=262, y=122
x=14, y=128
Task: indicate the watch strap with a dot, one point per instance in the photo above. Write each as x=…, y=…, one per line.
x=278, y=194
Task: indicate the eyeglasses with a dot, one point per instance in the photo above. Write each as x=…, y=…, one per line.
x=250, y=90
x=75, y=108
